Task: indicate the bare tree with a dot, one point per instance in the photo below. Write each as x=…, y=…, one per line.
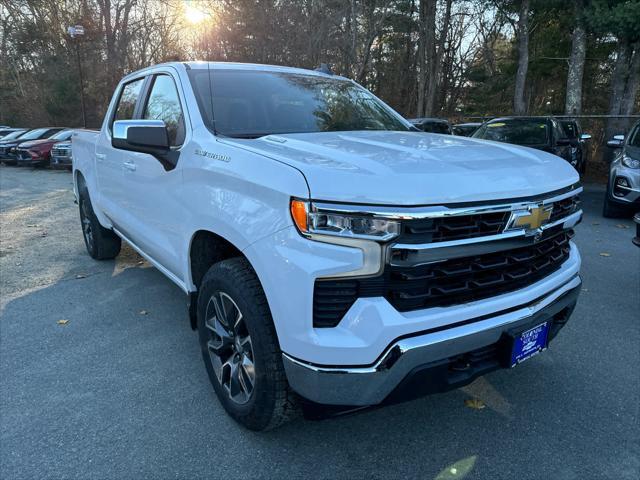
x=573, y=99
x=522, y=33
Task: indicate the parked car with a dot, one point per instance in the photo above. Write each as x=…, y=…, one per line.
x=9, y=141
x=61, y=155
x=37, y=153
x=579, y=152
x=8, y=148
x=465, y=129
x=623, y=187
x=432, y=125
x=327, y=248
x=7, y=130
x=542, y=133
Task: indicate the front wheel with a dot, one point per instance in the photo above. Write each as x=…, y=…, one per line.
x=240, y=347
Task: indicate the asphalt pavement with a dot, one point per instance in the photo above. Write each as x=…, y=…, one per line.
x=101, y=376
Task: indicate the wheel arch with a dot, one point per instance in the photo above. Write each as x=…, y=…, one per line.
x=205, y=249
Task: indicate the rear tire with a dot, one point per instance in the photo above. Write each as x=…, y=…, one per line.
x=240, y=348
x=101, y=243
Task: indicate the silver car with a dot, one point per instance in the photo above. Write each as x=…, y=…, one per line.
x=623, y=187
x=61, y=155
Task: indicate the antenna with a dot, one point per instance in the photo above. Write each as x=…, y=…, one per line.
x=213, y=119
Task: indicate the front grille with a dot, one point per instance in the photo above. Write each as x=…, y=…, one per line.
x=445, y=283
x=564, y=208
x=444, y=229
x=61, y=152
x=23, y=155
x=459, y=227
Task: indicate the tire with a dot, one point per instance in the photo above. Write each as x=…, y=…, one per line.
x=101, y=243
x=260, y=402
x=612, y=210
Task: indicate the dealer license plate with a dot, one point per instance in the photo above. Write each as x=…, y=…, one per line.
x=529, y=343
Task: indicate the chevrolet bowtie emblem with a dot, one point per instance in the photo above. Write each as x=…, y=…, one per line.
x=530, y=219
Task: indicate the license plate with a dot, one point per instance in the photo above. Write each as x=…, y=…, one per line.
x=529, y=343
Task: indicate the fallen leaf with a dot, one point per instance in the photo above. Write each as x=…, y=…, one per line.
x=62, y=322
x=474, y=403
x=81, y=275
x=605, y=254
x=143, y=312
x=43, y=234
x=622, y=226
x=32, y=225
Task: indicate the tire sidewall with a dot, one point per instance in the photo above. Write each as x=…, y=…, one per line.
x=220, y=278
x=84, y=197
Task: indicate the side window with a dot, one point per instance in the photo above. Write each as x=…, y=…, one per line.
x=164, y=104
x=127, y=101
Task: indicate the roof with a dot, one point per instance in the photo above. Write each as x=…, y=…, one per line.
x=201, y=65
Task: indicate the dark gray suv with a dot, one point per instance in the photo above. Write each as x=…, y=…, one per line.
x=623, y=187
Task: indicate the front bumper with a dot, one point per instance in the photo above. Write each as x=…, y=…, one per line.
x=60, y=161
x=628, y=194
x=23, y=157
x=436, y=360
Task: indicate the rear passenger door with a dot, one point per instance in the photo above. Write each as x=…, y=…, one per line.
x=152, y=188
x=109, y=168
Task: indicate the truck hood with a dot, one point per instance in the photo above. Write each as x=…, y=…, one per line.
x=413, y=168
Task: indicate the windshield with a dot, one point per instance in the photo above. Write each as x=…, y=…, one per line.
x=251, y=104
x=634, y=138
x=63, y=135
x=34, y=134
x=519, y=132
x=13, y=135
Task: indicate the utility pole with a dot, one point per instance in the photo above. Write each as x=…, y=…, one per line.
x=77, y=31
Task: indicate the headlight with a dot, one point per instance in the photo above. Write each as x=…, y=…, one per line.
x=313, y=219
x=627, y=161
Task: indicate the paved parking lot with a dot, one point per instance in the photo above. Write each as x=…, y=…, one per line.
x=119, y=391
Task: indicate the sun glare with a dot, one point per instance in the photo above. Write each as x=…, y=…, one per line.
x=194, y=14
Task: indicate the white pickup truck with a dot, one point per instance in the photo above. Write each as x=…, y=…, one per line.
x=332, y=254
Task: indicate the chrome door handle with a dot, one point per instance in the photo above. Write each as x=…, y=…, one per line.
x=129, y=165
x=100, y=156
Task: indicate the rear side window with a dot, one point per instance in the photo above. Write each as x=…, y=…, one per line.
x=164, y=104
x=128, y=98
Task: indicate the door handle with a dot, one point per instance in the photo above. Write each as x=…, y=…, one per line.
x=100, y=156
x=129, y=165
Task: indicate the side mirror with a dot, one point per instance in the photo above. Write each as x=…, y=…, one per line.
x=585, y=136
x=144, y=136
x=616, y=142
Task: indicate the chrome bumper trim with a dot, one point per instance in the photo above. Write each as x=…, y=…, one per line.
x=371, y=384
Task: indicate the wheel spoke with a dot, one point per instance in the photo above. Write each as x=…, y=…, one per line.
x=220, y=313
x=235, y=387
x=230, y=347
x=248, y=373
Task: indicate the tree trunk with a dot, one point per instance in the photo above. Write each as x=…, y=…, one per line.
x=519, y=103
x=431, y=96
x=573, y=99
x=618, y=85
x=426, y=51
x=633, y=83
